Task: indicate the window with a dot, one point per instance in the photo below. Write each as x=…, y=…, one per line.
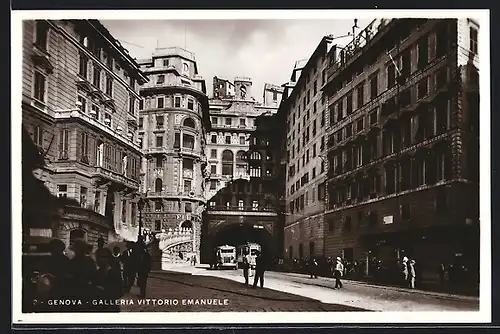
x=473, y=40
x=185, y=67
x=109, y=85
x=228, y=121
x=177, y=102
x=159, y=162
x=165, y=62
x=188, y=141
x=160, y=102
x=141, y=104
x=157, y=225
x=313, y=173
x=38, y=136
x=158, y=206
x=141, y=122
x=41, y=34
x=255, y=205
x=109, y=62
x=40, y=88
x=189, y=123
x=158, y=185
x=213, y=184
x=160, y=79
x=349, y=104
x=213, y=154
x=83, y=197
x=422, y=88
x=441, y=42
x=423, y=52
x=131, y=105
x=391, y=75
x=159, y=141
x=159, y=121
x=214, y=139
x=240, y=204
x=242, y=121
x=187, y=186
x=214, y=120
x=94, y=112
x=107, y=119
x=83, y=66
x=228, y=139
x=374, y=87
x=96, y=79
x=62, y=190
x=242, y=140
x=227, y=162
x=360, y=95
x=213, y=169
x=359, y=125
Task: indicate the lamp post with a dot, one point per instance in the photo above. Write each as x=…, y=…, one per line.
x=140, y=204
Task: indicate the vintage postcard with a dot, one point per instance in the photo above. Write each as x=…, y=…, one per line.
x=182, y=167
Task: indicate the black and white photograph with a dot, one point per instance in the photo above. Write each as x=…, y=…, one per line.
x=298, y=166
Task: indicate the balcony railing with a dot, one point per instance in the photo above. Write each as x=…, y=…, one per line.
x=86, y=215
x=240, y=208
x=118, y=178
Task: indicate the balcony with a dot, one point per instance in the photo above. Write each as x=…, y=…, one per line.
x=190, y=152
x=234, y=210
x=156, y=150
x=108, y=175
x=78, y=115
x=76, y=213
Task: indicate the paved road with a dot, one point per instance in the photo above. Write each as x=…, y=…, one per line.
x=174, y=292
x=357, y=294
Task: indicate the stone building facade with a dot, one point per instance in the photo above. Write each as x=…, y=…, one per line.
x=79, y=99
x=403, y=145
x=304, y=111
x=172, y=128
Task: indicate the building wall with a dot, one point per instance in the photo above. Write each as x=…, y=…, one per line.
x=70, y=162
x=375, y=207
x=306, y=123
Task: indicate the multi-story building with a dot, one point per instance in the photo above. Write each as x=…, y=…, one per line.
x=303, y=110
x=172, y=126
x=272, y=95
x=79, y=97
x=234, y=199
x=403, y=144
x=223, y=89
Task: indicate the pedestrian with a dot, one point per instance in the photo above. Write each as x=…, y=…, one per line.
x=143, y=269
x=404, y=270
x=313, y=268
x=339, y=270
x=442, y=271
x=246, y=266
x=128, y=267
x=58, y=268
x=82, y=274
x=412, y=274
x=259, y=270
x=108, y=282
x=100, y=247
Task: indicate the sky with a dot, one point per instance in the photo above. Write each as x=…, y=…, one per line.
x=264, y=50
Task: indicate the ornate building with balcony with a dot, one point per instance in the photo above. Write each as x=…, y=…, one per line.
x=172, y=127
x=303, y=114
x=233, y=120
x=403, y=145
x=79, y=97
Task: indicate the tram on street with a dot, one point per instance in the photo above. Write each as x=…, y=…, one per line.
x=248, y=248
x=226, y=257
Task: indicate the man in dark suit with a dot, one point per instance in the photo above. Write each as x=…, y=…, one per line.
x=129, y=271
x=259, y=270
x=143, y=268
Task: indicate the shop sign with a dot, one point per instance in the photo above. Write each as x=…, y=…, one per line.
x=388, y=219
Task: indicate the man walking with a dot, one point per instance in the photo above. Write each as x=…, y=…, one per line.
x=259, y=270
x=128, y=268
x=143, y=269
x=339, y=270
x=313, y=268
x=246, y=266
x=404, y=271
x=412, y=274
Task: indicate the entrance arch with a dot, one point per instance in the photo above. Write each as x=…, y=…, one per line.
x=237, y=234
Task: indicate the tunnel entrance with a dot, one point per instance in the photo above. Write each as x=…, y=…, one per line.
x=240, y=234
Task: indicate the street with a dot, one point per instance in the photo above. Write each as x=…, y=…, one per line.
x=184, y=292
x=353, y=294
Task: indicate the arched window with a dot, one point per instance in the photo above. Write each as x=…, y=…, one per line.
x=227, y=162
x=158, y=185
x=187, y=224
x=255, y=156
x=188, y=122
x=241, y=157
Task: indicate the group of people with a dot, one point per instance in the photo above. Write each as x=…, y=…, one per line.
x=92, y=278
x=260, y=268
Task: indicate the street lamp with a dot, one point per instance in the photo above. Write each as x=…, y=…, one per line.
x=140, y=204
